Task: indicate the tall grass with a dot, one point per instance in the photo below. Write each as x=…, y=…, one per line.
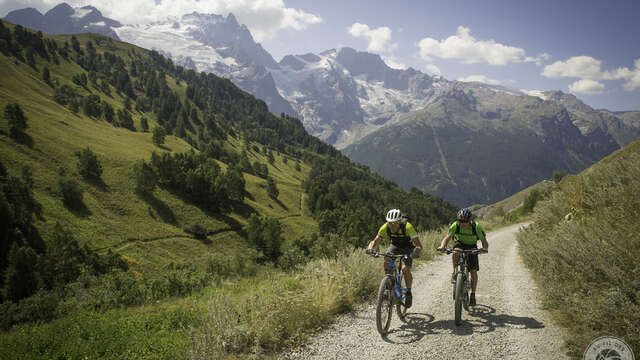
x=584, y=249
x=284, y=309
x=254, y=319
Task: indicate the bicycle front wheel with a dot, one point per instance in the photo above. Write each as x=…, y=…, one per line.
x=459, y=297
x=385, y=305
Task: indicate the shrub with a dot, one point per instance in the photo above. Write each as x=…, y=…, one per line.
x=89, y=166
x=64, y=94
x=558, y=175
x=198, y=231
x=71, y=192
x=146, y=178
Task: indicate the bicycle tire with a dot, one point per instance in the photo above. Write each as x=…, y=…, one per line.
x=401, y=310
x=385, y=305
x=465, y=297
x=458, y=302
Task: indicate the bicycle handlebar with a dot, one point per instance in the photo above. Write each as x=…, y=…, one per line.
x=377, y=254
x=468, y=251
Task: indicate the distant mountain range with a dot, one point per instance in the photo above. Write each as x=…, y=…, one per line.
x=63, y=19
x=465, y=142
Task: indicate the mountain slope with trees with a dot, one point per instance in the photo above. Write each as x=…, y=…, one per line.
x=129, y=181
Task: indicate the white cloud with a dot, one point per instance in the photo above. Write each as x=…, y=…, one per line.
x=589, y=68
x=480, y=78
x=264, y=18
x=379, y=39
x=584, y=67
x=587, y=86
x=632, y=77
x=433, y=69
x=466, y=48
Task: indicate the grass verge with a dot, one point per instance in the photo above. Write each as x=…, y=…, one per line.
x=583, y=251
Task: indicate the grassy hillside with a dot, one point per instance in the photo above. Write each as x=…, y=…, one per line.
x=583, y=250
x=505, y=206
x=150, y=234
x=235, y=204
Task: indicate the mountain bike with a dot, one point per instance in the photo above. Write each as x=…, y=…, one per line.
x=462, y=281
x=392, y=291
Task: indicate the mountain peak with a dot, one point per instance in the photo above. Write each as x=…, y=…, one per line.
x=28, y=17
x=62, y=9
x=231, y=19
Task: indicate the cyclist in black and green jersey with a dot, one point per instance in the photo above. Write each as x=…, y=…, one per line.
x=404, y=241
x=466, y=233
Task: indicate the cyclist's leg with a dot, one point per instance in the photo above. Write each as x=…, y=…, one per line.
x=474, y=266
x=390, y=250
x=406, y=266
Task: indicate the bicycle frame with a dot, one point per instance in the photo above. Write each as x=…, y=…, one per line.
x=390, y=293
x=398, y=290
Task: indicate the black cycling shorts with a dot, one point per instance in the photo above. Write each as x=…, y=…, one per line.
x=473, y=259
x=407, y=250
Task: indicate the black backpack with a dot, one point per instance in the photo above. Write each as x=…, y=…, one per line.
x=473, y=228
x=403, y=228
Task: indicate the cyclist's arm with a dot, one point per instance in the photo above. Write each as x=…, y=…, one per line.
x=445, y=241
x=485, y=243
x=417, y=243
x=374, y=242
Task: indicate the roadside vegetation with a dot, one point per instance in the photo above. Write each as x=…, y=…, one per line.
x=583, y=250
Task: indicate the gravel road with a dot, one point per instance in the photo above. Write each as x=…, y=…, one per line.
x=507, y=323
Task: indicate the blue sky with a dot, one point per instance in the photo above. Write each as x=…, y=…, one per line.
x=579, y=45
x=588, y=48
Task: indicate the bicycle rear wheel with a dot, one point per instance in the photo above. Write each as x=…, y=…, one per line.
x=401, y=310
x=459, y=297
x=385, y=302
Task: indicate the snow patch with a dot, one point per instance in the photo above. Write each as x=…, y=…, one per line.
x=99, y=23
x=80, y=13
x=175, y=41
x=536, y=93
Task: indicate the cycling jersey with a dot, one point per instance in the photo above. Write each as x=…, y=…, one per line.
x=400, y=238
x=466, y=236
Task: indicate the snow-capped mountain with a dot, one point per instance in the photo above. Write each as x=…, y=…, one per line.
x=343, y=94
x=216, y=44
x=64, y=19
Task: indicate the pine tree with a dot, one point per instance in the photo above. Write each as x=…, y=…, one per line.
x=144, y=124
x=272, y=188
x=16, y=119
x=158, y=135
x=46, y=76
x=20, y=278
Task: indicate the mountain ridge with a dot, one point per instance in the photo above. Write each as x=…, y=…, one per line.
x=343, y=95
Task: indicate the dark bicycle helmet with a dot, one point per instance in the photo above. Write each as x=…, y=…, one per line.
x=464, y=214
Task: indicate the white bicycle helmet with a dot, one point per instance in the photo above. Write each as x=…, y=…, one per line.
x=394, y=215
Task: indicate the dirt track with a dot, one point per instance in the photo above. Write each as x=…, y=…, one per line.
x=507, y=323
